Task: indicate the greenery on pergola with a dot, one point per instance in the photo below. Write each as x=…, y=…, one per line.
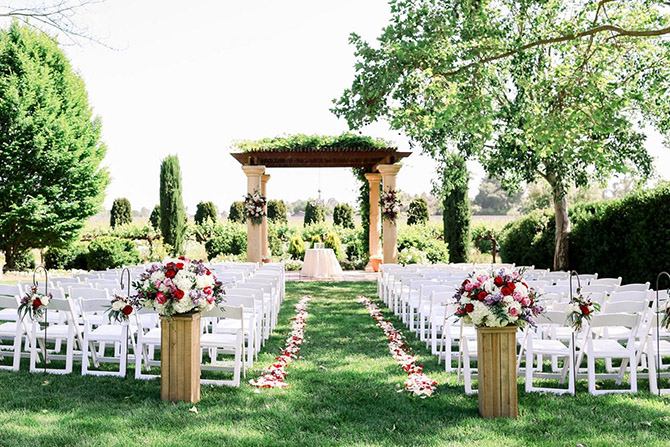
x=302, y=142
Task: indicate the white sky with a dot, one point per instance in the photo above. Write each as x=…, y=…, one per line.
x=190, y=77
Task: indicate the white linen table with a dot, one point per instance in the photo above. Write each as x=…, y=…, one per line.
x=321, y=263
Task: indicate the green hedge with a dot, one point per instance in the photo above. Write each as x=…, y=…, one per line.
x=71, y=257
x=426, y=238
x=231, y=239
x=111, y=252
x=629, y=237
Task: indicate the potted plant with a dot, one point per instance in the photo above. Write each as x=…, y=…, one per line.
x=498, y=303
x=375, y=262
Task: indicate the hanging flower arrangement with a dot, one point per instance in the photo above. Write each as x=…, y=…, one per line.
x=254, y=207
x=390, y=205
x=417, y=383
x=34, y=304
x=121, y=308
x=275, y=373
x=580, y=309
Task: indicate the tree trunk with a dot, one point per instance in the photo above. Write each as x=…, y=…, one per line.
x=10, y=261
x=561, y=258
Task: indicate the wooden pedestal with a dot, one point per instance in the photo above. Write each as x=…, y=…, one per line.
x=180, y=358
x=496, y=372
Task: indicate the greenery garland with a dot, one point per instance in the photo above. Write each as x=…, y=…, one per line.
x=300, y=142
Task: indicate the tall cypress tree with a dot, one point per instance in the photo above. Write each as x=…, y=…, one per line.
x=173, y=216
x=456, y=215
x=121, y=213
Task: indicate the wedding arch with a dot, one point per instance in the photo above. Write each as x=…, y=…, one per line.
x=379, y=159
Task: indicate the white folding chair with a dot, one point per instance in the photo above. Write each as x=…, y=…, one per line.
x=224, y=343
x=13, y=331
x=67, y=329
x=227, y=325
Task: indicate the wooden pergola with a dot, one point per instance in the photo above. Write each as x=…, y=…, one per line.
x=381, y=166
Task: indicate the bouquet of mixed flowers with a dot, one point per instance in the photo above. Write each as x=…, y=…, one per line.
x=580, y=309
x=390, y=205
x=254, y=207
x=496, y=299
x=665, y=322
x=178, y=286
x=121, y=308
x=34, y=304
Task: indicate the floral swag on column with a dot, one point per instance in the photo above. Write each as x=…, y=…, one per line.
x=390, y=205
x=254, y=207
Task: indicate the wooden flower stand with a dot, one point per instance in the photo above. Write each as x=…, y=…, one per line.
x=496, y=372
x=180, y=358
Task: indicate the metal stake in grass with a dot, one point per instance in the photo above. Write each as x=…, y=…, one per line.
x=126, y=269
x=46, y=311
x=574, y=349
x=658, y=330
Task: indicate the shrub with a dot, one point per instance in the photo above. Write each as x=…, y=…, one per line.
x=426, y=238
x=484, y=245
x=418, y=212
x=205, y=211
x=347, y=265
x=343, y=216
x=110, y=252
x=316, y=239
x=155, y=218
x=231, y=239
x=412, y=255
x=296, y=248
x=293, y=265
x=277, y=211
x=314, y=213
x=275, y=244
x=236, y=213
x=121, y=214
x=173, y=216
x=66, y=258
x=24, y=260
x=529, y=241
x=333, y=241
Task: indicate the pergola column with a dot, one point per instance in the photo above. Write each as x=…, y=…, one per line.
x=265, y=251
x=254, y=231
x=389, y=173
x=375, y=217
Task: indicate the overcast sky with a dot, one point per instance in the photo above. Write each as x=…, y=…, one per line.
x=191, y=77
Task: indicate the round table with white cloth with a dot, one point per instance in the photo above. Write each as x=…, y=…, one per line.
x=321, y=263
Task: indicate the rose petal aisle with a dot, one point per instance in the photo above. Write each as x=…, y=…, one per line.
x=417, y=383
x=274, y=374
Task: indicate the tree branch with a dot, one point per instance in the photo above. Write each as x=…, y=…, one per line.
x=619, y=32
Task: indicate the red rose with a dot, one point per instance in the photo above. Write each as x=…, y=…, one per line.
x=467, y=281
x=460, y=311
x=127, y=310
x=506, y=291
x=179, y=294
x=585, y=310
x=469, y=307
x=182, y=258
x=170, y=274
x=208, y=272
x=511, y=286
x=37, y=303
x=160, y=297
x=498, y=281
x=207, y=290
x=481, y=295
x=180, y=265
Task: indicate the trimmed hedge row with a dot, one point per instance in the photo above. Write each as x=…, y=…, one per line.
x=628, y=237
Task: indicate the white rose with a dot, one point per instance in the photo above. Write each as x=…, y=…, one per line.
x=118, y=305
x=481, y=313
x=521, y=289
x=45, y=300
x=158, y=275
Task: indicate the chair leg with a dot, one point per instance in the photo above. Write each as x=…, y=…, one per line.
x=591, y=366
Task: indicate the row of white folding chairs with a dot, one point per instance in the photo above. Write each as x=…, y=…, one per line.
x=84, y=327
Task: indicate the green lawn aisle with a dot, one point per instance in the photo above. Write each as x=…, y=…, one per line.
x=343, y=392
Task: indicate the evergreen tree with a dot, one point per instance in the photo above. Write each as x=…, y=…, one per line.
x=236, y=213
x=51, y=180
x=121, y=213
x=418, y=212
x=173, y=216
x=277, y=211
x=314, y=213
x=155, y=218
x=343, y=216
x=204, y=211
x=456, y=215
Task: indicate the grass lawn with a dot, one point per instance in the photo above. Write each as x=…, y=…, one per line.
x=343, y=392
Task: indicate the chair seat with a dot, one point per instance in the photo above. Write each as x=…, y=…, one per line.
x=8, y=329
x=226, y=326
x=9, y=315
x=218, y=340
x=664, y=346
x=54, y=331
x=550, y=347
x=111, y=332
x=153, y=337
x=607, y=348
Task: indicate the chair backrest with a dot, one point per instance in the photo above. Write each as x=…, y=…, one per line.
x=258, y=285
x=246, y=302
x=11, y=290
x=625, y=307
x=232, y=312
x=89, y=293
x=417, y=283
x=552, y=318
x=635, y=287
x=555, y=276
x=8, y=302
x=565, y=290
x=441, y=299
x=640, y=295
x=614, y=319
x=539, y=285
x=62, y=281
x=256, y=294
x=84, y=276
x=535, y=274
x=600, y=288
x=607, y=281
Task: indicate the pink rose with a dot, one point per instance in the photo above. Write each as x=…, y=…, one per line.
x=160, y=297
x=482, y=279
x=513, y=312
x=469, y=286
x=525, y=302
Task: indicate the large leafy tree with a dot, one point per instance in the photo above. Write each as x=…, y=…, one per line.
x=51, y=181
x=556, y=90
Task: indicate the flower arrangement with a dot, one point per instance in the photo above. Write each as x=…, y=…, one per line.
x=417, y=383
x=274, y=374
x=580, y=309
x=121, y=308
x=665, y=321
x=390, y=205
x=254, y=207
x=34, y=304
x=178, y=286
x=497, y=299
